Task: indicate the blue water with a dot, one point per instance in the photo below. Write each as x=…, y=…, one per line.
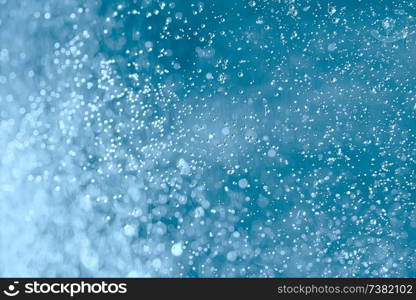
x=266, y=138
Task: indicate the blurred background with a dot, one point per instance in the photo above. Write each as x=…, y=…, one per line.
x=191, y=138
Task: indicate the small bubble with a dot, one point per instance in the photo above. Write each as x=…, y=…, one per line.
x=243, y=183
x=176, y=249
